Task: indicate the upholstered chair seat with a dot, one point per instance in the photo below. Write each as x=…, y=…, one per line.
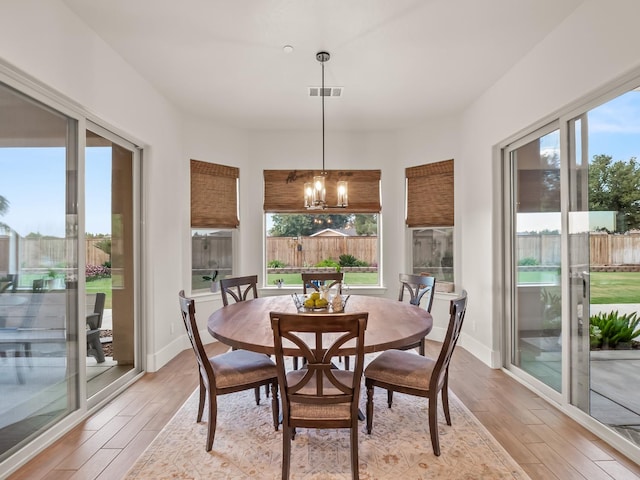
x=239, y=367
x=402, y=368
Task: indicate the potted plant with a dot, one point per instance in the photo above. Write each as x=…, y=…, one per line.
x=51, y=278
x=279, y=282
x=215, y=286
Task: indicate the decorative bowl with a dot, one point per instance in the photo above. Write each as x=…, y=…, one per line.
x=335, y=304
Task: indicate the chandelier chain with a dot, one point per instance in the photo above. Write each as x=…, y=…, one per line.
x=322, y=94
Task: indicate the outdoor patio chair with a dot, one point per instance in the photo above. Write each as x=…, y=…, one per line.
x=94, y=326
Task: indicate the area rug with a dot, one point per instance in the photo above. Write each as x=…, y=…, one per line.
x=247, y=446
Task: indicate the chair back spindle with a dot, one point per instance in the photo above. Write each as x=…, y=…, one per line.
x=238, y=288
x=314, y=281
x=457, y=311
x=417, y=286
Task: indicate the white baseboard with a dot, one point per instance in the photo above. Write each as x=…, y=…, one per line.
x=156, y=361
x=470, y=344
x=480, y=351
x=477, y=349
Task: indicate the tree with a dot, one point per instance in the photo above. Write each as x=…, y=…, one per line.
x=105, y=246
x=615, y=186
x=303, y=225
x=366, y=225
x=4, y=208
x=4, y=205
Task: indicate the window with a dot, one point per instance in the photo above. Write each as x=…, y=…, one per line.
x=432, y=252
x=211, y=254
x=297, y=243
x=214, y=218
x=430, y=217
x=298, y=240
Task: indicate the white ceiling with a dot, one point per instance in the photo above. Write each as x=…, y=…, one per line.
x=400, y=62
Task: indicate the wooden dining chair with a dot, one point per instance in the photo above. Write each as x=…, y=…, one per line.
x=230, y=372
x=319, y=395
x=314, y=281
x=406, y=372
x=238, y=288
x=419, y=287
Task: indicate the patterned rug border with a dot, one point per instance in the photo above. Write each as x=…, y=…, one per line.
x=170, y=456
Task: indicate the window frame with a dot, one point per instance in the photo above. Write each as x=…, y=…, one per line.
x=267, y=284
x=441, y=169
x=223, y=179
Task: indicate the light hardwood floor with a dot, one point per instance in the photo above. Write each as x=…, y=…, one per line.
x=544, y=441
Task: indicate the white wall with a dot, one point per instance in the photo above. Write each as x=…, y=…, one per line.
x=208, y=142
x=45, y=40
x=595, y=45
x=303, y=150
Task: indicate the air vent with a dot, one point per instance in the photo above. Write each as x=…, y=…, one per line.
x=328, y=91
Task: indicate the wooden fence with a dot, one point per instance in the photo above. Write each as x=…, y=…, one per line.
x=216, y=253
x=615, y=249
x=308, y=251
x=604, y=249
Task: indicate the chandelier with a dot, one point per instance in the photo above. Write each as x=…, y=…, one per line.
x=315, y=192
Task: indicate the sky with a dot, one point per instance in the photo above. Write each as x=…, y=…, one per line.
x=32, y=179
x=614, y=130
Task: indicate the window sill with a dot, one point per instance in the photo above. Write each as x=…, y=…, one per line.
x=352, y=290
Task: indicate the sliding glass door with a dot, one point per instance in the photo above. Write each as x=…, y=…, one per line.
x=536, y=347
x=51, y=275
x=604, y=217
x=572, y=217
x=110, y=172
x=39, y=359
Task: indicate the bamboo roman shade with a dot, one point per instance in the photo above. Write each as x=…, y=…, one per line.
x=430, y=195
x=284, y=190
x=214, y=198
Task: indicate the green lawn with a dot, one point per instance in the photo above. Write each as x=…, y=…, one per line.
x=615, y=287
x=101, y=285
x=539, y=276
x=94, y=286
x=291, y=279
x=606, y=287
x=350, y=278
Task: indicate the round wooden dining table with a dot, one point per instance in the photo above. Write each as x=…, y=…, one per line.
x=391, y=324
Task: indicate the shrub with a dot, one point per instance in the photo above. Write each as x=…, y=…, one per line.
x=614, y=328
x=552, y=303
x=348, y=260
x=528, y=261
x=94, y=272
x=275, y=264
x=595, y=336
x=328, y=262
